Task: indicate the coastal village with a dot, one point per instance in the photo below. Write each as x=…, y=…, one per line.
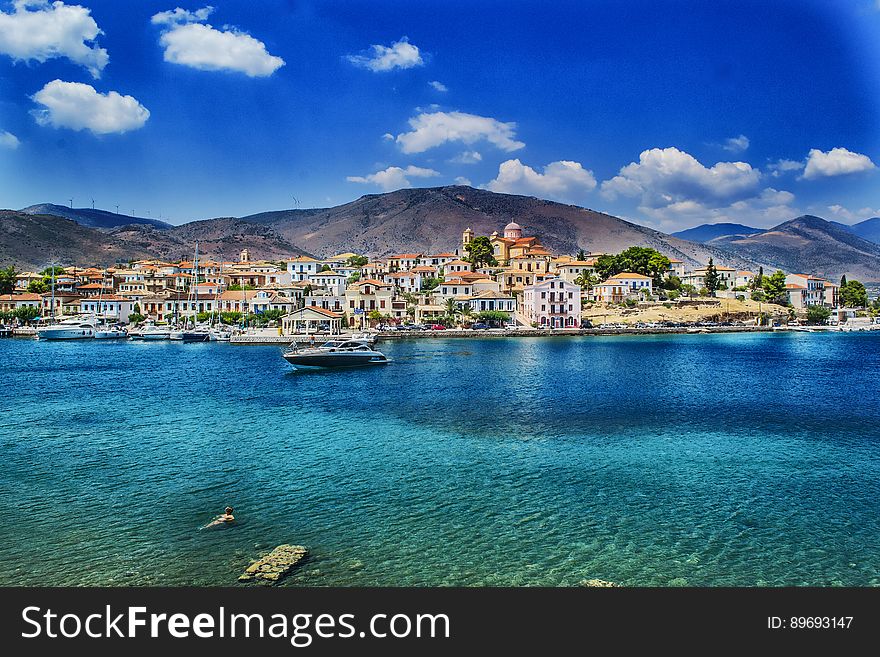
x=504, y=280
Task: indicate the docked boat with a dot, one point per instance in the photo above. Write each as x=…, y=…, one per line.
x=220, y=335
x=110, y=333
x=336, y=353
x=194, y=335
x=5, y=332
x=154, y=333
x=74, y=328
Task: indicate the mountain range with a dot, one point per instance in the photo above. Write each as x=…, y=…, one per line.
x=425, y=220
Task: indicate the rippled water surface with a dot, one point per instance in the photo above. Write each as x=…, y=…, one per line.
x=673, y=460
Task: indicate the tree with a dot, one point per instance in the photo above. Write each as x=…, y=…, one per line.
x=493, y=317
x=818, y=314
x=758, y=280
x=606, y=267
x=688, y=289
x=135, y=318
x=636, y=259
x=587, y=280
x=712, y=279
x=843, y=281
x=354, y=278
x=47, y=272
x=466, y=312
x=452, y=308
x=430, y=283
x=137, y=308
x=325, y=268
x=25, y=314
x=853, y=294
x=38, y=287
x=357, y=261
x=7, y=280
x=672, y=282
x=480, y=252
x=581, y=256
x=774, y=288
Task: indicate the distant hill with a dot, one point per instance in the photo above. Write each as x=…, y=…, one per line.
x=432, y=220
x=812, y=245
x=31, y=241
x=869, y=229
x=708, y=232
x=92, y=218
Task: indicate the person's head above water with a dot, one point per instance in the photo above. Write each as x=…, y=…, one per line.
x=229, y=510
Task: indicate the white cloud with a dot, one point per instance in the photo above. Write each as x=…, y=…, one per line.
x=436, y=128
x=400, y=54
x=461, y=180
x=736, y=144
x=563, y=180
x=8, y=140
x=667, y=176
x=439, y=86
x=836, y=162
x=394, y=177
x=191, y=42
x=52, y=30
x=388, y=137
x=781, y=167
x=178, y=16
x=850, y=216
x=80, y=107
x=467, y=157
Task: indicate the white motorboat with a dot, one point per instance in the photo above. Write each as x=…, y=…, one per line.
x=154, y=332
x=336, y=353
x=220, y=335
x=75, y=328
x=110, y=333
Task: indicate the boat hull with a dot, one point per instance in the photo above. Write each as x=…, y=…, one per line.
x=154, y=336
x=332, y=360
x=195, y=337
x=65, y=334
x=110, y=335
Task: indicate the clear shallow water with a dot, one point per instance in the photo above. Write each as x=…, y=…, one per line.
x=672, y=460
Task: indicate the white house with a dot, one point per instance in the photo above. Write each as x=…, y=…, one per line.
x=552, y=303
x=303, y=267
x=109, y=308
x=332, y=281
x=622, y=286
x=492, y=300
x=405, y=281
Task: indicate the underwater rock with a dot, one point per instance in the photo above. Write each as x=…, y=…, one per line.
x=275, y=565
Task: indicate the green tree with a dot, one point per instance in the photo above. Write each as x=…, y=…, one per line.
x=238, y=288
x=853, y=294
x=135, y=318
x=7, y=280
x=774, y=288
x=587, y=280
x=758, y=280
x=712, y=279
x=671, y=282
x=357, y=260
x=430, y=283
x=47, y=272
x=137, y=308
x=480, y=252
x=581, y=256
x=843, y=281
x=607, y=266
x=354, y=278
x=493, y=316
x=38, y=287
x=26, y=314
x=818, y=314
x=688, y=289
x=325, y=268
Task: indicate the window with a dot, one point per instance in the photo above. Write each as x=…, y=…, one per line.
x=543, y=307
x=543, y=295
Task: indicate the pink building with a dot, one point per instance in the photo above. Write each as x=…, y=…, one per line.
x=552, y=303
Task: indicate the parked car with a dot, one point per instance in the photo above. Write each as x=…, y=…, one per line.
x=479, y=326
x=438, y=327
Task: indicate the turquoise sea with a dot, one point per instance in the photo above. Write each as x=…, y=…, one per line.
x=699, y=460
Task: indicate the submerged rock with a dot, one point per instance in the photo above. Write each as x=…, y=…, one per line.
x=275, y=565
x=598, y=583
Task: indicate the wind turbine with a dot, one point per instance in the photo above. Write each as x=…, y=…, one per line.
x=93, y=204
x=71, y=203
x=117, y=208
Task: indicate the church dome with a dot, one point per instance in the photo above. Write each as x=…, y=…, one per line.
x=513, y=226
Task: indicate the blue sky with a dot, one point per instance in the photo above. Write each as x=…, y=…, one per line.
x=668, y=113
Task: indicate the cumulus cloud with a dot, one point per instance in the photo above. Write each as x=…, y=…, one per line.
x=562, y=180
x=666, y=176
x=439, y=86
x=38, y=31
x=836, y=162
x=781, y=167
x=467, y=157
x=736, y=144
x=80, y=107
x=400, y=54
x=189, y=41
x=430, y=129
x=8, y=140
x=394, y=177
x=850, y=216
x=461, y=180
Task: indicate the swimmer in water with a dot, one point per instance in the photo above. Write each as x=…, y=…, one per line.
x=223, y=519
